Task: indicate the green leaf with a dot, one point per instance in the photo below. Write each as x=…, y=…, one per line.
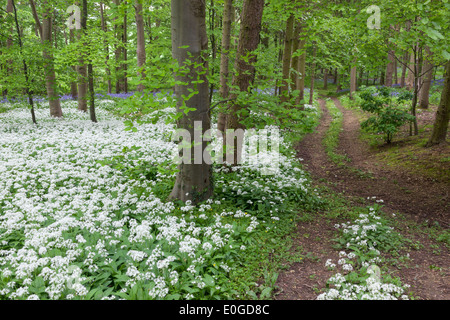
x=208, y=280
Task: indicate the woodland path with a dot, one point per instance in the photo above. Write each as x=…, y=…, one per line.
x=419, y=198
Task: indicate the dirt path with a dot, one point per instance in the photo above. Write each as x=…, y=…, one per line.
x=420, y=198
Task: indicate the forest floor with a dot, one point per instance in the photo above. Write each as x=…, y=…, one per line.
x=415, y=200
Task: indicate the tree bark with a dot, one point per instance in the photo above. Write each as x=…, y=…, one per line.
x=224, y=59
x=390, y=68
x=353, y=78
x=190, y=41
x=248, y=42
x=440, y=127
x=73, y=84
x=287, y=53
x=411, y=76
x=105, y=29
x=295, y=57
x=249, y=36
x=313, y=75
x=427, y=70
x=46, y=37
x=140, y=49
x=28, y=91
x=404, y=64
x=301, y=69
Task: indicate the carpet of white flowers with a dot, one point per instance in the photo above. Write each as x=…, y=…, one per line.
x=72, y=227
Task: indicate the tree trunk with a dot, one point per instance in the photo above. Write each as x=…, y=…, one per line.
x=189, y=41
x=249, y=36
x=427, y=69
x=90, y=72
x=404, y=64
x=353, y=78
x=301, y=70
x=49, y=70
x=325, y=79
x=440, y=127
x=119, y=53
x=313, y=75
x=287, y=53
x=140, y=49
x=73, y=84
x=82, y=79
x=28, y=91
x=125, y=53
x=390, y=68
x=224, y=59
x=105, y=29
x=294, y=57
x=410, y=78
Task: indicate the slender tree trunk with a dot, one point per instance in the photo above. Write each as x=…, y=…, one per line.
x=301, y=69
x=224, y=59
x=403, y=76
x=325, y=79
x=82, y=79
x=9, y=44
x=73, y=84
x=105, y=29
x=424, y=97
x=440, y=127
x=411, y=76
x=189, y=41
x=90, y=72
x=212, y=26
x=249, y=36
x=118, y=52
x=45, y=31
x=28, y=91
x=416, y=94
x=140, y=49
x=390, y=68
x=125, y=53
x=395, y=71
x=313, y=75
x=353, y=78
x=294, y=57
x=287, y=53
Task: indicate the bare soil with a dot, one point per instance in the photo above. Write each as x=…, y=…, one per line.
x=422, y=199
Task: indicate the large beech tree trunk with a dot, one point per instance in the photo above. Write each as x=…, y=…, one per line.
x=190, y=42
x=440, y=127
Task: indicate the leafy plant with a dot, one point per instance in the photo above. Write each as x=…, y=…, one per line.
x=389, y=112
